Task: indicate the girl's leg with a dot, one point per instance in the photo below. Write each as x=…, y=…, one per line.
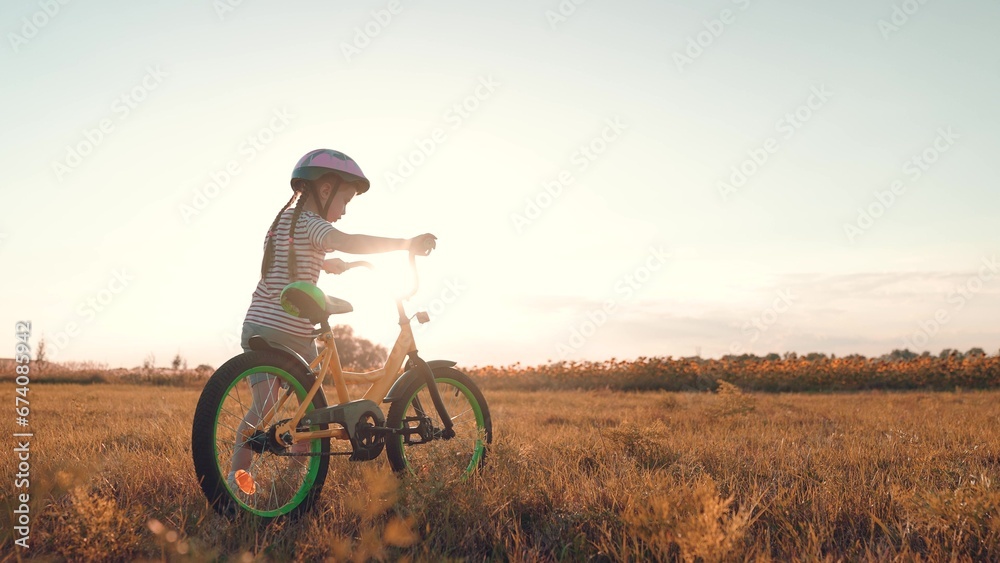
x=265, y=394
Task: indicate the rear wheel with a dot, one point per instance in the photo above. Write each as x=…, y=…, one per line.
x=227, y=436
x=424, y=450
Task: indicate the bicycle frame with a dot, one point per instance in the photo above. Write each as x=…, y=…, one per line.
x=327, y=364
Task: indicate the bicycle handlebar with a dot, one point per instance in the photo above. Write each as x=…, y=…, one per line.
x=358, y=264
x=413, y=268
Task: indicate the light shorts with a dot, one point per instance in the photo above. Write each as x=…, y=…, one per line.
x=305, y=347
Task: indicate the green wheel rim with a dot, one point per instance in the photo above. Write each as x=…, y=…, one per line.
x=315, y=445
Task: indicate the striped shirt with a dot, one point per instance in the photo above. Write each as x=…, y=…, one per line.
x=265, y=304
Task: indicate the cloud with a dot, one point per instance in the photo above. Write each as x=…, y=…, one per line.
x=869, y=313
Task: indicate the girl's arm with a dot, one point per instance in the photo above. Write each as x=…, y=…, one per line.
x=367, y=244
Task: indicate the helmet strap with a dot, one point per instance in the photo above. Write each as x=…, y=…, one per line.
x=325, y=206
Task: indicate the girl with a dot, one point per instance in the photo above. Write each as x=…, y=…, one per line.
x=323, y=183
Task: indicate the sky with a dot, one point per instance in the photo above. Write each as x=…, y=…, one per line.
x=605, y=179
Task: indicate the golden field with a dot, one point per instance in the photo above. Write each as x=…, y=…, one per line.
x=812, y=372
x=573, y=475
x=808, y=373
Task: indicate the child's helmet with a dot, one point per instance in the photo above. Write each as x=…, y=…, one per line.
x=323, y=161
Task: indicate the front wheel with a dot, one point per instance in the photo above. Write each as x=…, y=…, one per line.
x=421, y=448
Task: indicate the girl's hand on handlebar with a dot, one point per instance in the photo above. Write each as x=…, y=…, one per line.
x=334, y=266
x=422, y=245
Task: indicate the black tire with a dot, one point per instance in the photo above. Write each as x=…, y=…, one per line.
x=282, y=487
x=451, y=459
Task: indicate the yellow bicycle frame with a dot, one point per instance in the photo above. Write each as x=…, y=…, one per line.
x=327, y=364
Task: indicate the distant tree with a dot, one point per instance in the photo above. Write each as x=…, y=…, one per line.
x=356, y=352
x=815, y=356
x=950, y=353
x=791, y=356
x=150, y=362
x=772, y=357
x=40, y=355
x=904, y=354
x=975, y=352
x=178, y=361
x=744, y=357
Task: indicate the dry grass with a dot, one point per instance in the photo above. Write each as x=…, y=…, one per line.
x=573, y=475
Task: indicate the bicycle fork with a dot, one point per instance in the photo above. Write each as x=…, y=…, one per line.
x=432, y=387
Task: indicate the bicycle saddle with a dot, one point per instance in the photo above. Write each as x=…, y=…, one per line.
x=306, y=300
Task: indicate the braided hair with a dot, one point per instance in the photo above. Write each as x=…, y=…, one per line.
x=302, y=190
x=272, y=232
x=293, y=264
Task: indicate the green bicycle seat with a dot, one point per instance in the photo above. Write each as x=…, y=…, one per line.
x=305, y=300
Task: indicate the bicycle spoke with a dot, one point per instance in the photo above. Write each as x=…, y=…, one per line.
x=239, y=399
x=418, y=407
x=234, y=415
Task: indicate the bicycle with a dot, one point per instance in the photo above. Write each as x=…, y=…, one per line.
x=289, y=435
